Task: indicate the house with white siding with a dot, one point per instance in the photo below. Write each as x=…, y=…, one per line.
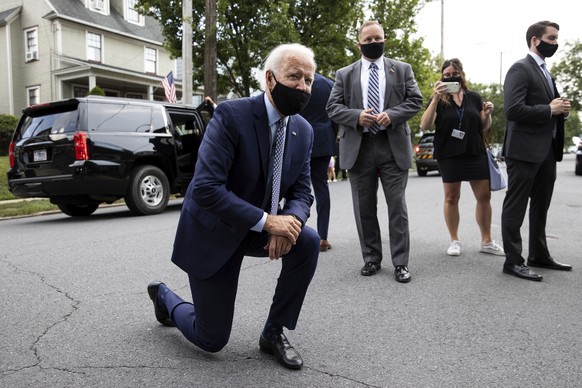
x=59, y=49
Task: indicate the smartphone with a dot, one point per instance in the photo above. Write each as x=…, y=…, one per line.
x=452, y=87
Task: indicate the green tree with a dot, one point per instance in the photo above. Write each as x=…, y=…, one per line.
x=493, y=93
x=568, y=73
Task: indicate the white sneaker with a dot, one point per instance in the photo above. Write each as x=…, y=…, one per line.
x=493, y=248
x=454, y=248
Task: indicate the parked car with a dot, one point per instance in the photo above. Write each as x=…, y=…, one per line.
x=423, y=155
x=85, y=151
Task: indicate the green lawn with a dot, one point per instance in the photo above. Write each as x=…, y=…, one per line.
x=4, y=166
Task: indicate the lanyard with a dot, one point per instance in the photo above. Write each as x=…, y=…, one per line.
x=460, y=112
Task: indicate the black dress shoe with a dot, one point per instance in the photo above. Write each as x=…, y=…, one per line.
x=549, y=263
x=282, y=350
x=370, y=269
x=522, y=271
x=402, y=274
x=161, y=312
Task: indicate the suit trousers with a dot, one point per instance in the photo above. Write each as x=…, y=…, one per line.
x=533, y=182
x=375, y=161
x=319, y=167
x=207, y=322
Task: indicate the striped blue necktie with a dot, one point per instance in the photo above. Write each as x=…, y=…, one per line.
x=374, y=95
x=548, y=77
x=277, y=164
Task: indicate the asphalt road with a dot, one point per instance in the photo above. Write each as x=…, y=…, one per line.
x=75, y=311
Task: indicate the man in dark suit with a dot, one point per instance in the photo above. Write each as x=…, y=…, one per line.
x=324, y=134
x=372, y=100
x=534, y=142
x=228, y=213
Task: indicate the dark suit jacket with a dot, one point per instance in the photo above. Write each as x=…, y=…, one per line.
x=225, y=198
x=402, y=100
x=324, y=130
x=528, y=135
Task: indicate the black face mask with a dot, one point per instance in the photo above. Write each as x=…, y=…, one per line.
x=546, y=49
x=289, y=101
x=452, y=79
x=372, y=50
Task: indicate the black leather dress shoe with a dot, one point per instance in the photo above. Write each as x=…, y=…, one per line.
x=549, y=263
x=282, y=350
x=522, y=271
x=161, y=312
x=370, y=269
x=402, y=274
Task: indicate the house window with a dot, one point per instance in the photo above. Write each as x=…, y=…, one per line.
x=151, y=60
x=80, y=91
x=94, y=46
x=132, y=15
x=33, y=95
x=101, y=6
x=31, y=41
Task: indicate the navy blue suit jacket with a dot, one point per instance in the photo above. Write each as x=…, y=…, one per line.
x=324, y=130
x=230, y=186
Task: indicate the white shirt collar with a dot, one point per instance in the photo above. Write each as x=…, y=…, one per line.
x=379, y=62
x=539, y=60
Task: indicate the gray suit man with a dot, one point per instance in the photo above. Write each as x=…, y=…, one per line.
x=375, y=142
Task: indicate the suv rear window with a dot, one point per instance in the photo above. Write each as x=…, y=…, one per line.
x=119, y=118
x=61, y=121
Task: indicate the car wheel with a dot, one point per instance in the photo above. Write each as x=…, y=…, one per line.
x=148, y=192
x=422, y=172
x=77, y=210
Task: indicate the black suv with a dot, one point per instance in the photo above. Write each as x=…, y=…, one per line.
x=85, y=151
x=424, y=155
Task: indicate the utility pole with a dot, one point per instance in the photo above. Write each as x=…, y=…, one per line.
x=443, y=29
x=210, y=50
x=187, y=52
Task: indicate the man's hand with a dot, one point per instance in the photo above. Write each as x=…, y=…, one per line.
x=560, y=106
x=278, y=246
x=284, y=226
x=366, y=118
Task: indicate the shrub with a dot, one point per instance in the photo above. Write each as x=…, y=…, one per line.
x=96, y=91
x=7, y=126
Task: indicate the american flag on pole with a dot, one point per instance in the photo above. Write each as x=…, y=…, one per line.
x=169, y=88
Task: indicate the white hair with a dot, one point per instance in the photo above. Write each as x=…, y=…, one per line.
x=274, y=61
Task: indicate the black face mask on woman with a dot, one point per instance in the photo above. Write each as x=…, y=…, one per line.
x=289, y=101
x=372, y=50
x=546, y=49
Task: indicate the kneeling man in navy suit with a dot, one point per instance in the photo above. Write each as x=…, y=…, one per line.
x=255, y=153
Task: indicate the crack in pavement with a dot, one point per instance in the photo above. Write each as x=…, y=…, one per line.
x=33, y=347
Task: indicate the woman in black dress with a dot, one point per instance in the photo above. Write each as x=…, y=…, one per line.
x=460, y=118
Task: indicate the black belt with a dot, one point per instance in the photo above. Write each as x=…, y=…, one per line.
x=370, y=134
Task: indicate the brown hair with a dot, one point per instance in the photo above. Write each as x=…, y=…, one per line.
x=458, y=66
x=538, y=30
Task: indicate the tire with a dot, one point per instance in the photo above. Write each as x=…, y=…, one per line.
x=148, y=192
x=76, y=210
x=422, y=172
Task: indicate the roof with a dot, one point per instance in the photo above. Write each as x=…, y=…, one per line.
x=76, y=11
x=5, y=15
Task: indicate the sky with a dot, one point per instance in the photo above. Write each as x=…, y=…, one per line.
x=488, y=36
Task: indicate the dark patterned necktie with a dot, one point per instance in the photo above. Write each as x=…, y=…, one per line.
x=277, y=164
x=374, y=95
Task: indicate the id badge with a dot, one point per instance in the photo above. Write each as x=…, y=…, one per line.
x=458, y=134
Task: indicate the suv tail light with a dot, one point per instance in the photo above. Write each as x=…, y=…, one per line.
x=81, y=149
x=416, y=149
x=11, y=154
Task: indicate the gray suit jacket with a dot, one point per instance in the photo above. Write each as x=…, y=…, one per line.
x=528, y=136
x=402, y=101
